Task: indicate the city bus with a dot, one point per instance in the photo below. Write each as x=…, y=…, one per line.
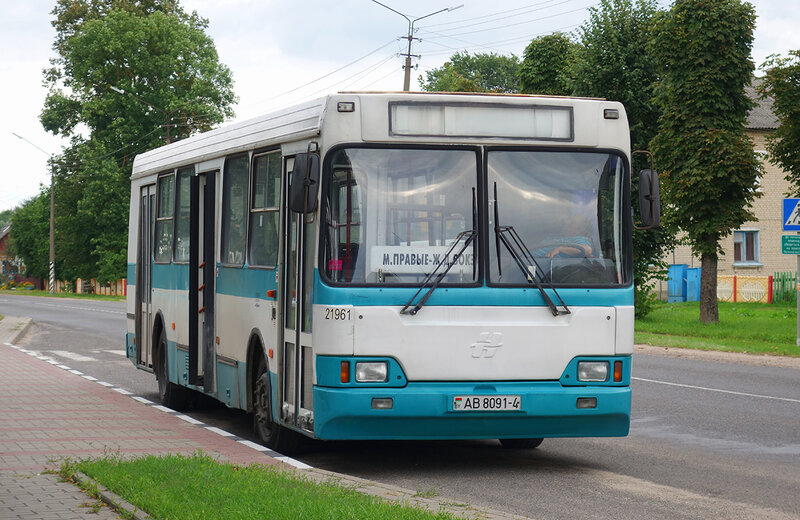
x=394, y=266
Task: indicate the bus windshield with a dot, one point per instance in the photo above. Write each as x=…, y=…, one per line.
x=566, y=208
x=392, y=214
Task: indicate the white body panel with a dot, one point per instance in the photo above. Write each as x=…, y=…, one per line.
x=477, y=343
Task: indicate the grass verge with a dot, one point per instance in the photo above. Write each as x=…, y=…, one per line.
x=190, y=487
x=24, y=292
x=754, y=328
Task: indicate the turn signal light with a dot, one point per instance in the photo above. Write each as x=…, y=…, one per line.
x=345, y=372
x=617, y=371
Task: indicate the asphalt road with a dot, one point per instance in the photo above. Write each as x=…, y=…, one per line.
x=708, y=439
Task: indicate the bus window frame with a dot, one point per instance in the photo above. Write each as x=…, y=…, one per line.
x=193, y=169
x=626, y=217
x=157, y=210
x=223, y=253
x=323, y=208
x=276, y=209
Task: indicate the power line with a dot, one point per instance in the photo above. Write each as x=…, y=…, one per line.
x=505, y=17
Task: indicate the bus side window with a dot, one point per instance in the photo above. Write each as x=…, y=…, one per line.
x=164, y=218
x=264, y=210
x=234, y=209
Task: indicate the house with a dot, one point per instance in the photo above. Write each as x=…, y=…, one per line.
x=754, y=250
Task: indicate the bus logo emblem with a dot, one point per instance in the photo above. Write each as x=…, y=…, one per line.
x=487, y=345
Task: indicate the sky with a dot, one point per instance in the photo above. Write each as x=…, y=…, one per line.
x=282, y=52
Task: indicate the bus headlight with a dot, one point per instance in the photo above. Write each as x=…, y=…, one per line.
x=593, y=371
x=372, y=371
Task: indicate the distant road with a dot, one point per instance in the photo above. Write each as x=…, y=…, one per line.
x=709, y=438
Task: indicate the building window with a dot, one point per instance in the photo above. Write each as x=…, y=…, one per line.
x=745, y=247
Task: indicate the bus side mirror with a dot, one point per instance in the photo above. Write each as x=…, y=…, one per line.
x=305, y=183
x=649, y=200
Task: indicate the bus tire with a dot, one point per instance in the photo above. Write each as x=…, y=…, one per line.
x=521, y=444
x=271, y=434
x=172, y=396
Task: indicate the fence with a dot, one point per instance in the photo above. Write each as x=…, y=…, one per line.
x=118, y=288
x=785, y=287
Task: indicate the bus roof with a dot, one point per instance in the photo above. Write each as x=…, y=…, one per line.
x=296, y=123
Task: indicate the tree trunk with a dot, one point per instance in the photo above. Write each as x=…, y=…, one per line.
x=709, y=310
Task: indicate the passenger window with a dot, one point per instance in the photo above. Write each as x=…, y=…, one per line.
x=234, y=210
x=182, y=222
x=264, y=210
x=164, y=218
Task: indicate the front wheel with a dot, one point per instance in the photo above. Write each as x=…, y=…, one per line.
x=521, y=444
x=270, y=434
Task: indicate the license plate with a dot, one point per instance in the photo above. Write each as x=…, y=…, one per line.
x=486, y=403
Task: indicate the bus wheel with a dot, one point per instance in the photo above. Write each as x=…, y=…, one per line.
x=172, y=395
x=521, y=444
x=269, y=433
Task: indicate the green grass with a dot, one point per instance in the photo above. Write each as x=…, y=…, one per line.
x=754, y=328
x=180, y=487
x=25, y=292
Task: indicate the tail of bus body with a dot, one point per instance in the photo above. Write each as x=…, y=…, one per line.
x=420, y=290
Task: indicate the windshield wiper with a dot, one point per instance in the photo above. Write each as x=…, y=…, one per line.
x=516, y=247
x=450, y=260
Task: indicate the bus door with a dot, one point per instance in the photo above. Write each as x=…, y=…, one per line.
x=144, y=276
x=296, y=375
x=202, y=274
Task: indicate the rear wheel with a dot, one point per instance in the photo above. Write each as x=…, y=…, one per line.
x=521, y=444
x=172, y=395
x=270, y=433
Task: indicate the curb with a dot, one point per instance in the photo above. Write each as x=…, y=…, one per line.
x=16, y=331
x=115, y=502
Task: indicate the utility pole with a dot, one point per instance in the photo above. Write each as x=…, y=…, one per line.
x=410, y=38
x=52, y=280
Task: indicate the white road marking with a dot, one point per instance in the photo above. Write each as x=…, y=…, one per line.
x=74, y=356
x=117, y=352
x=693, y=387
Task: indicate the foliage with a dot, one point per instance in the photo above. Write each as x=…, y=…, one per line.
x=478, y=72
x=547, y=65
x=172, y=84
x=30, y=234
x=612, y=62
x=5, y=217
x=782, y=83
x=709, y=171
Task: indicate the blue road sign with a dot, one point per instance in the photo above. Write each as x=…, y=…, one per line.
x=791, y=215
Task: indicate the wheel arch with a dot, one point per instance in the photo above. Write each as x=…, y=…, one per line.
x=255, y=348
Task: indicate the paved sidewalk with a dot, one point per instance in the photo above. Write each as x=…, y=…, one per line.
x=50, y=412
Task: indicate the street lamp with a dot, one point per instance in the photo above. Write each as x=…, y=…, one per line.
x=52, y=280
x=410, y=37
x=167, y=123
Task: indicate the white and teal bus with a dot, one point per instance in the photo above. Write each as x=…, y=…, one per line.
x=394, y=266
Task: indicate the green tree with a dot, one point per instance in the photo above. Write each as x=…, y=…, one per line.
x=612, y=61
x=30, y=234
x=479, y=72
x=782, y=84
x=168, y=83
x=547, y=65
x=709, y=169
x=5, y=217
